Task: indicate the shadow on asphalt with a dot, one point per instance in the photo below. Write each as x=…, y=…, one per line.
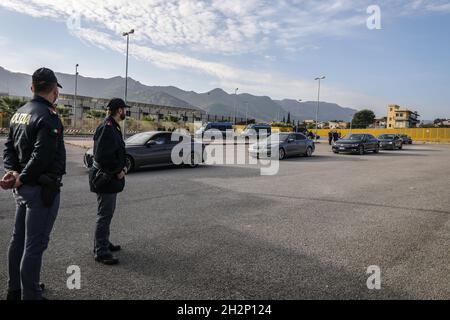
x=216, y=262
x=204, y=171
x=421, y=150
x=323, y=158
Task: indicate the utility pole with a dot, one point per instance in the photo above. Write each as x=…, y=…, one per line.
x=126, y=34
x=75, y=96
x=318, y=105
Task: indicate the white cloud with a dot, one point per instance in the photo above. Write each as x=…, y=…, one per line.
x=3, y=41
x=217, y=26
x=171, y=33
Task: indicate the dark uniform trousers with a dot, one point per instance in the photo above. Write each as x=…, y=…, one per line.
x=33, y=226
x=106, y=207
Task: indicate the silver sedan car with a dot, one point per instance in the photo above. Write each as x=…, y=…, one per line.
x=154, y=149
x=287, y=145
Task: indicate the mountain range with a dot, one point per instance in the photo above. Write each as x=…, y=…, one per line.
x=215, y=102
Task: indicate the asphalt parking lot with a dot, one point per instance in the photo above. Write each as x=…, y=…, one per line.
x=226, y=232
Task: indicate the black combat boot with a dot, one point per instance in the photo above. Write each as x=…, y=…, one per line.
x=107, y=259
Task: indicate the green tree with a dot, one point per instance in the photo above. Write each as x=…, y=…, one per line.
x=95, y=114
x=363, y=119
x=9, y=105
x=171, y=118
x=63, y=111
x=148, y=118
x=289, y=118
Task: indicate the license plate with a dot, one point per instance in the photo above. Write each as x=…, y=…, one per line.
x=341, y=148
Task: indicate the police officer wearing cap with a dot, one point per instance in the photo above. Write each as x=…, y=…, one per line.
x=107, y=177
x=35, y=161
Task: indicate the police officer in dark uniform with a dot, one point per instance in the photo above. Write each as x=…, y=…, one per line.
x=35, y=161
x=107, y=177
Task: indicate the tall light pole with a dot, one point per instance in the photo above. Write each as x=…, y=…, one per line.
x=318, y=104
x=126, y=34
x=246, y=112
x=75, y=96
x=235, y=104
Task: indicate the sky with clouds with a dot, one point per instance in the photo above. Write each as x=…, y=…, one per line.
x=273, y=48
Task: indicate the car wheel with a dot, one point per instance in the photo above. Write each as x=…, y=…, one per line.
x=337, y=152
x=129, y=163
x=194, y=161
x=361, y=150
x=281, y=154
x=309, y=152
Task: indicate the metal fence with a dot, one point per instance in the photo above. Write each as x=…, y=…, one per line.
x=417, y=134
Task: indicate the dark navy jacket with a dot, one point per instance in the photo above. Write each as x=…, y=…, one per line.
x=35, y=144
x=109, y=154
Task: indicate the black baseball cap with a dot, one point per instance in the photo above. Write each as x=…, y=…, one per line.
x=115, y=104
x=45, y=75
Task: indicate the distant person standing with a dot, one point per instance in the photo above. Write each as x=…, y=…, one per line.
x=330, y=137
x=35, y=161
x=335, y=136
x=107, y=178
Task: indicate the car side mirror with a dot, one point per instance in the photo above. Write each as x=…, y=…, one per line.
x=150, y=143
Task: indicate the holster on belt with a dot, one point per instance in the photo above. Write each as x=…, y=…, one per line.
x=51, y=187
x=102, y=177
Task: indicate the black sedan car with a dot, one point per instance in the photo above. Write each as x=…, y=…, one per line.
x=357, y=143
x=154, y=149
x=390, y=141
x=406, y=139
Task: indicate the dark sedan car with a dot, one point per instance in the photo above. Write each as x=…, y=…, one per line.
x=288, y=144
x=357, y=143
x=406, y=139
x=154, y=149
x=390, y=141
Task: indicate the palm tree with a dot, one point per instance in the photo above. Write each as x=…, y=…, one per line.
x=9, y=106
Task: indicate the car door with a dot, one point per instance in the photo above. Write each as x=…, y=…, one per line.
x=291, y=145
x=368, y=143
x=398, y=141
x=157, y=151
x=300, y=141
x=168, y=145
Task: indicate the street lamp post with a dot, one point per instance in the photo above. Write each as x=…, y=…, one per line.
x=318, y=104
x=235, y=104
x=75, y=96
x=246, y=112
x=126, y=34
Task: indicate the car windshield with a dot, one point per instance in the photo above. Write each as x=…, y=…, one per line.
x=355, y=137
x=387, y=136
x=139, y=139
x=276, y=137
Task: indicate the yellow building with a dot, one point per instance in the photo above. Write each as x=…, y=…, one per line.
x=399, y=117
